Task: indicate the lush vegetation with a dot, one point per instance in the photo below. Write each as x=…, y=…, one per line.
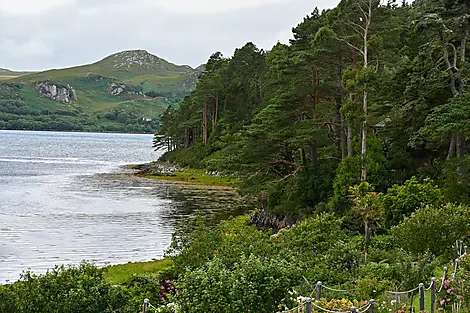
x=357, y=130
x=150, y=85
x=359, y=122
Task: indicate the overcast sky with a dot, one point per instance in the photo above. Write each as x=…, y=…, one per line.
x=44, y=34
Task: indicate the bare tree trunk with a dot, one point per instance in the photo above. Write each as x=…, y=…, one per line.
x=452, y=147
x=314, y=151
x=461, y=146
x=216, y=115
x=364, y=100
x=349, y=141
x=303, y=157
x=343, y=140
x=367, y=234
x=364, y=140
x=186, y=138
x=205, y=123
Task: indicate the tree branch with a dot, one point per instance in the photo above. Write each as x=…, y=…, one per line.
x=290, y=175
x=350, y=45
x=362, y=10
x=354, y=25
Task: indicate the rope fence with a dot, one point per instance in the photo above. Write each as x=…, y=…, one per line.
x=306, y=306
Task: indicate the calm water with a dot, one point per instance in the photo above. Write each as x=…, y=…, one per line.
x=64, y=198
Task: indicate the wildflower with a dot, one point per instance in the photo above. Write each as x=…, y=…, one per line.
x=442, y=301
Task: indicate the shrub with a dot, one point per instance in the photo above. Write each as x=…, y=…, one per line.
x=400, y=201
x=433, y=228
x=253, y=284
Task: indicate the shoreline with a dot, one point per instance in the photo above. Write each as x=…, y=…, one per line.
x=166, y=172
x=73, y=131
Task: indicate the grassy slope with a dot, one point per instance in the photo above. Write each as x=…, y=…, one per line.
x=136, y=69
x=7, y=74
x=153, y=77
x=118, y=274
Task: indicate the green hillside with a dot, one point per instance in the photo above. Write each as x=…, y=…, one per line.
x=126, y=91
x=7, y=74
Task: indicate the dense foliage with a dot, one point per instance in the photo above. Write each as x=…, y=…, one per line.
x=366, y=91
x=357, y=129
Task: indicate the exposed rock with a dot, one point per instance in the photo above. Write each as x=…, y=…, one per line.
x=140, y=58
x=263, y=219
x=55, y=91
x=92, y=77
x=154, y=168
x=122, y=90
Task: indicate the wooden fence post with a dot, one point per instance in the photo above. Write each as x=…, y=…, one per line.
x=421, y=297
x=318, y=297
x=433, y=294
x=371, y=308
x=146, y=305
x=309, y=305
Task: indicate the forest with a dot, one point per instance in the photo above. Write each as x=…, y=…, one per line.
x=353, y=141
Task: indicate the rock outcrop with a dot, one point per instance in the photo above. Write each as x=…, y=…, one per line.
x=263, y=219
x=125, y=91
x=55, y=91
x=138, y=58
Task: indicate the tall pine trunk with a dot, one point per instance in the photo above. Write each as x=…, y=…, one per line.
x=204, y=117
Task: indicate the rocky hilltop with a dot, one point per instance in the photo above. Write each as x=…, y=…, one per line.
x=126, y=88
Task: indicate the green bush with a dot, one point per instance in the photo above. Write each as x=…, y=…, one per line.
x=400, y=201
x=62, y=290
x=194, y=243
x=433, y=229
x=253, y=284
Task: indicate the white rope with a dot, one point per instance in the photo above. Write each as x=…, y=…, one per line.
x=326, y=310
x=292, y=310
x=442, y=283
x=150, y=305
x=337, y=290
x=313, y=289
x=430, y=286
x=365, y=309
x=456, y=264
x=402, y=292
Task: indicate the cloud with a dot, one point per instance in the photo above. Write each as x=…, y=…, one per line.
x=32, y=48
x=72, y=32
x=26, y=7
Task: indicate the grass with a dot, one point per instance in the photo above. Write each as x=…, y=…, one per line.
x=122, y=273
x=198, y=177
x=7, y=77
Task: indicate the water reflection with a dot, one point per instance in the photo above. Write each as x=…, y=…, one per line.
x=65, y=198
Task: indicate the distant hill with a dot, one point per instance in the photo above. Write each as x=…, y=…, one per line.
x=126, y=91
x=7, y=74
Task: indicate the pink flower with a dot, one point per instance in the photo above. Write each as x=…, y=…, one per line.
x=442, y=301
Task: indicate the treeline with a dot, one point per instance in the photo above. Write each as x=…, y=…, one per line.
x=367, y=91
